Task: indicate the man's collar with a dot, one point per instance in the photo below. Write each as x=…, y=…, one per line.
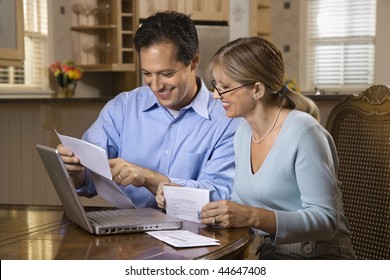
x=199, y=104
x=201, y=100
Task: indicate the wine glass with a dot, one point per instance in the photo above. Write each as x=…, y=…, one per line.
x=105, y=48
x=88, y=48
x=94, y=10
x=105, y=9
x=86, y=11
x=76, y=8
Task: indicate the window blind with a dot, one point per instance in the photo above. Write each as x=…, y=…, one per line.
x=35, y=22
x=33, y=72
x=341, y=43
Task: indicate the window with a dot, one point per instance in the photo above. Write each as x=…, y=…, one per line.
x=340, y=44
x=32, y=75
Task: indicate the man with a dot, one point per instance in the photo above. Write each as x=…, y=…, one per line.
x=168, y=131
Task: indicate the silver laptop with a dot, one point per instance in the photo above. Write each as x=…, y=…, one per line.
x=101, y=222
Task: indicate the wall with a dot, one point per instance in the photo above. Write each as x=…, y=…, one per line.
x=382, y=57
x=238, y=19
x=285, y=33
x=285, y=28
x=23, y=179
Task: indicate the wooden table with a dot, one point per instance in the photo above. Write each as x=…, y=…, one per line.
x=44, y=232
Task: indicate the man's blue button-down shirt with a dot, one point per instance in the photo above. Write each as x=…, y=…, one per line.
x=195, y=149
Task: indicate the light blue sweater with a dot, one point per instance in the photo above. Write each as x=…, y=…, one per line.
x=297, y=180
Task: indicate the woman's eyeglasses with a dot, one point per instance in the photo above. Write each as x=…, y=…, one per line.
x=214, y=84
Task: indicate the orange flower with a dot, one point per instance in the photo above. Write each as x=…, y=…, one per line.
x=66, y=73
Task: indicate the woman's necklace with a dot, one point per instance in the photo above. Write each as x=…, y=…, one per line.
x=269, y=131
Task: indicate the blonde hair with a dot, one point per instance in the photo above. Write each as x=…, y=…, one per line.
x=253, y=59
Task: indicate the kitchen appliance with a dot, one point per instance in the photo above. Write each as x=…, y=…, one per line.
x=211, y=37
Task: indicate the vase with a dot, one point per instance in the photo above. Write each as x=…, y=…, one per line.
x=66, y=92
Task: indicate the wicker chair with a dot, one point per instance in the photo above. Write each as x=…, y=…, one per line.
x=360, y=126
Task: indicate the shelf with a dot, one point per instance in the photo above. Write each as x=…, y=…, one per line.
x=95, y=27
x=106, y=47
x=108, y=67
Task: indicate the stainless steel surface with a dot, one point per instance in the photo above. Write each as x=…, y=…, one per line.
x=211, y=38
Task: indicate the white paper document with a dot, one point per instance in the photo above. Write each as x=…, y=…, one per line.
x=185, y=203
x=111, y=192
x=91, y=156
x=95, y=159
x=183, y=238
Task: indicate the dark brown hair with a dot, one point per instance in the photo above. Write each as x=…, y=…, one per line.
x=170, y=26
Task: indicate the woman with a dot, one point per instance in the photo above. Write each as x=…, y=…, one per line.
x=286, y=182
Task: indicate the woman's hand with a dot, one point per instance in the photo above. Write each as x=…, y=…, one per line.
x=225, y=213
x=229, y=214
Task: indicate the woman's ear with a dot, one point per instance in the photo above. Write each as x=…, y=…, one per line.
x=259, y=91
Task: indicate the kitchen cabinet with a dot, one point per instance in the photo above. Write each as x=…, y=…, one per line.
x=11, y=33
x=148, y=7
x=102, y=35
x=103, y=32
x=198, y=10
x=260, y=15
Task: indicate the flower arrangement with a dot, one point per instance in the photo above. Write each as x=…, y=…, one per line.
x=67, y=75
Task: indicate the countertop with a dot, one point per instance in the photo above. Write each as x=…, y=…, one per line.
x=55, y=100
x=327, y=97
x=323, y=97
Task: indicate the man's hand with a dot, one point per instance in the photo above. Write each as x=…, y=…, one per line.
x=160, y=198
x=73, y=165
x=126, y=173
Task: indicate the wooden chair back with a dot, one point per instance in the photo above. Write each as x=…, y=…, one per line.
x=360, y=127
